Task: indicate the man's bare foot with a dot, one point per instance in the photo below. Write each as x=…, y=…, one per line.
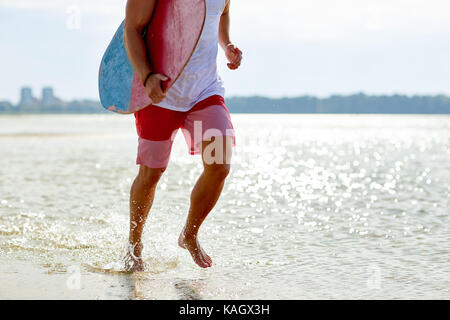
x=191, y=244
x=133, y=260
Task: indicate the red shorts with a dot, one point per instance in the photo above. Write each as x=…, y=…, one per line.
x=157, y=127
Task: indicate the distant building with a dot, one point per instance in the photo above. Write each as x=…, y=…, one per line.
x=6, y=106
x=48, y=97
x=26, y=96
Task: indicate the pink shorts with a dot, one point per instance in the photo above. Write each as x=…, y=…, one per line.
x=157, y=128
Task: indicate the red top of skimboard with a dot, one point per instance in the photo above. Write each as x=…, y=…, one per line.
x=171, y=38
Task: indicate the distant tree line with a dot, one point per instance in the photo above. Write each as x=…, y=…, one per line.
x=358, y=103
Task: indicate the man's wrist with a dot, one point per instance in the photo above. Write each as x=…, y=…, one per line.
x=225, y=45
x=145, y=80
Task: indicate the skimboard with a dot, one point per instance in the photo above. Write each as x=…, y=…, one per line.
x=171, y=38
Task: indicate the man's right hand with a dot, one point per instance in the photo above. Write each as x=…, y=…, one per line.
x=154, y=87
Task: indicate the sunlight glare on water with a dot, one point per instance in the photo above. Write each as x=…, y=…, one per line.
x=316, y=206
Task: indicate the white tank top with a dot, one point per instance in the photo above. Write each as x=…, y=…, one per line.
x=199, y=79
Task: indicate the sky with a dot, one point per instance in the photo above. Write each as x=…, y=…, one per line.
x=291, y=47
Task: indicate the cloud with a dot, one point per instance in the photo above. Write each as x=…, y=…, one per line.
x=343, y=19
x=315, y=47
x=302, y=20
x=99, y=7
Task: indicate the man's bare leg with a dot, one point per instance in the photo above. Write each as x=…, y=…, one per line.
x=141, y=199
x=204, y=197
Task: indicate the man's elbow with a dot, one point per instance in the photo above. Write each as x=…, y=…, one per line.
x=132, y=28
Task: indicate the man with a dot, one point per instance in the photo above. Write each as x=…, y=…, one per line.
x=196, y=98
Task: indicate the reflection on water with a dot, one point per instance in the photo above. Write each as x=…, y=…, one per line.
x=187, y=290
x=141, y=286
x=316, y=206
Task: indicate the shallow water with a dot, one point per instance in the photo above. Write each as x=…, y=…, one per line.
x=316, y=206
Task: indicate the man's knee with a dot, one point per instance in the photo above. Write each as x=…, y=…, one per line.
x=218, y=171
x=149, y=176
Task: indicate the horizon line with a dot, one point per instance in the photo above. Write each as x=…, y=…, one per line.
x=287, y=97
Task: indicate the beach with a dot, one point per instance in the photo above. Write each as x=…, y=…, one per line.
x=315, y=207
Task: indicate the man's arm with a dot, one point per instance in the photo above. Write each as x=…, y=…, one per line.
x=138, y=16
x=224, y=27
x=233, y=54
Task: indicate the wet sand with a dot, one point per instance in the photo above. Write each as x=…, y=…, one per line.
x=25, y=280
x=318, y=207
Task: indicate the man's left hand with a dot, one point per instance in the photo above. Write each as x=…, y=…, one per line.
x=234, y=56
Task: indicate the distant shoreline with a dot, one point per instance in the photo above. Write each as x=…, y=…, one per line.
x=351, y=104
x=237, y=113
